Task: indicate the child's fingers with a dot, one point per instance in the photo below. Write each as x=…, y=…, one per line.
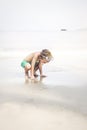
x=43, y=76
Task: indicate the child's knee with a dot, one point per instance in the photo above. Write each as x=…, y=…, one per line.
x=28, y=66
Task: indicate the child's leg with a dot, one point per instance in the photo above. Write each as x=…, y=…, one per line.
x=27, y=68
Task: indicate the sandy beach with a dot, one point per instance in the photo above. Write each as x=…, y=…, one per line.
x=42, y=104
x=57, y=102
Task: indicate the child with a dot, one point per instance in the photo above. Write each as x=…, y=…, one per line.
x=34, y=61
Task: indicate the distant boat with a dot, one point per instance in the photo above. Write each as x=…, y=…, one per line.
x=63, y=29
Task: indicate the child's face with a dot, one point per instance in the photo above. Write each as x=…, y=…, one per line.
x=44, y=61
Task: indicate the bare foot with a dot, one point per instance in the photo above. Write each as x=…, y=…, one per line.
x=26, y=78
x=32, y=77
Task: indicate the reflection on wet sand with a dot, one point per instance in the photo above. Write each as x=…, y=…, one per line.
x=36, y=80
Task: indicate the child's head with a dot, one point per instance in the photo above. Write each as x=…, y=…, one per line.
x=45, y=55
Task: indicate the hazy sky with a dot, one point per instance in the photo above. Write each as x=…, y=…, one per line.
x=25, y=15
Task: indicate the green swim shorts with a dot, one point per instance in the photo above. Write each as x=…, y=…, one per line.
x=24, y=63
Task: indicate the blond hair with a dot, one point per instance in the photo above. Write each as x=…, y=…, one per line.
x=46, y=54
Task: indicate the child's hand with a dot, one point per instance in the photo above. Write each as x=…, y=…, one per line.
x=43, y=76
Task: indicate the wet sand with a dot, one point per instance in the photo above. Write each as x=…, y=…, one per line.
x=42, y=105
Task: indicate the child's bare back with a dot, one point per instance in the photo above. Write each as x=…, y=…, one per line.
x=31, y=56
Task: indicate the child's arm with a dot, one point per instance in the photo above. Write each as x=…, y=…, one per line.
x=33, y=65
x=40, y=70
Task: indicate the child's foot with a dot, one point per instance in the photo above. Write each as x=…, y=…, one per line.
x=26, y=78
